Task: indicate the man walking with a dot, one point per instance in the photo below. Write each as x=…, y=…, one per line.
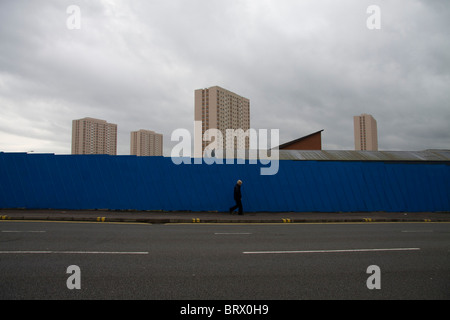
x=237, y=198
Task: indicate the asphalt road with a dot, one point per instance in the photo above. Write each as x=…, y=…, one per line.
x=218, y=261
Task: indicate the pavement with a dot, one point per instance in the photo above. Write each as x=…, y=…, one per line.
x=158, y=217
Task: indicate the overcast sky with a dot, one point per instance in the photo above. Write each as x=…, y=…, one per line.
x=304, y=65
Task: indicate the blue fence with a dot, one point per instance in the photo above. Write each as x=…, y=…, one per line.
x=156, y=183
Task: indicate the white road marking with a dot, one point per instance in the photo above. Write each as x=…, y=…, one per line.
x=332, y=251
x=417, y=231
x=231, y=233
x=13, y=231
x=72, y=252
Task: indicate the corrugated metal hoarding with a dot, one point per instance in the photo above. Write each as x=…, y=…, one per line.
x=47, y=181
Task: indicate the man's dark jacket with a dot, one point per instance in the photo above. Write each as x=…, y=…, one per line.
x=237, y=192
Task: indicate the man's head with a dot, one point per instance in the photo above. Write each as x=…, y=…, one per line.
x=239, y=182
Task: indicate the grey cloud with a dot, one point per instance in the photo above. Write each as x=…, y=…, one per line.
x=305, y=66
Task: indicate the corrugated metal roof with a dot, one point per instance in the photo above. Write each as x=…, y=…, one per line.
x=350, y=155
